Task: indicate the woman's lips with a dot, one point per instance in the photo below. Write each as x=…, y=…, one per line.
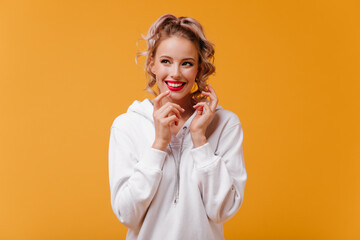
x=175, y=85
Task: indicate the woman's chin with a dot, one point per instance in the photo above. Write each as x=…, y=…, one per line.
x=179, y=98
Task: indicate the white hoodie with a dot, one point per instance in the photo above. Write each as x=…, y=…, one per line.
x=184, y=193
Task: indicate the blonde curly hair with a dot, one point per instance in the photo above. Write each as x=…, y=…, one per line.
x=169, y=25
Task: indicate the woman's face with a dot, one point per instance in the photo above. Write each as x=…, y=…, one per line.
x=175, y=66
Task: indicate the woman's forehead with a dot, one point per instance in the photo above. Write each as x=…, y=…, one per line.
x=177, y=47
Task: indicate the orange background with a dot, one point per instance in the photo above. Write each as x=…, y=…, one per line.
x=289, y=69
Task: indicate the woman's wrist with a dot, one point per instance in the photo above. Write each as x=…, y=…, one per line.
x=159, y=145
x=198, y=140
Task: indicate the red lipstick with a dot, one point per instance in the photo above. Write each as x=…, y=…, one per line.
x=175, y=85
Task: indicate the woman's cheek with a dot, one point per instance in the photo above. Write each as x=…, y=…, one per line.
x=190, y=74
x=162, y=73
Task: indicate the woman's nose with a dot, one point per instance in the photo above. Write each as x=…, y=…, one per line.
x=175, y=72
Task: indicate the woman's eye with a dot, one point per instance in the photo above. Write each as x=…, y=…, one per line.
x=164, y=61
x=188, y=64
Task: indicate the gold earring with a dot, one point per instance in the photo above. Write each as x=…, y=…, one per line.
x=195, y=86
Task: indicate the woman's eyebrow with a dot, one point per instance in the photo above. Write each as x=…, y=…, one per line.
x=189, y=58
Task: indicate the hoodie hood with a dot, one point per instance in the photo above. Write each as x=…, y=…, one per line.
x=144, y=108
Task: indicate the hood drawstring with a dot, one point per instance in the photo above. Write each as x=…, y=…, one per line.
x=177, y=166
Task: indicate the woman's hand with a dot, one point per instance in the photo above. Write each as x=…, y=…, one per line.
x=205, y=113
x=164, y=116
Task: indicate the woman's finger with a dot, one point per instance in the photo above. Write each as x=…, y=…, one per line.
x=211, y=89
x=213, y=98
x=157, y=100
x=168, y=110
x=206, y=107
x=208, y=94
x=171, y=119
x=211, y=93
x=199, y=110
x=202, y=107
x=166, y=106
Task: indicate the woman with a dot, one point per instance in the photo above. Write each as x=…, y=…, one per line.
x=176, y=163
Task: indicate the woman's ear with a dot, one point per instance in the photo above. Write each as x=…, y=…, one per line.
x=151, y=65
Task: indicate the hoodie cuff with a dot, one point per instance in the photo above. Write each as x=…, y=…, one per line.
x=153, y=159
x=203, y=155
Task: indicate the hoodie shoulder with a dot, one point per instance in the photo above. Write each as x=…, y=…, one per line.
x=122, y=120
x=227, y=116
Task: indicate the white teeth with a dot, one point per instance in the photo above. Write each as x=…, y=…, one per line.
x=174, y=84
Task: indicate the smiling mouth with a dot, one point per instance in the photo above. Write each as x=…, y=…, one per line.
x=175, y=85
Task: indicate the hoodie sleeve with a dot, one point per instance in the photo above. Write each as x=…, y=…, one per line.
x=221, y=175
x=134, y=178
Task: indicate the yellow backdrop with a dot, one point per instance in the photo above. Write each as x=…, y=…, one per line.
x=289, y=69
